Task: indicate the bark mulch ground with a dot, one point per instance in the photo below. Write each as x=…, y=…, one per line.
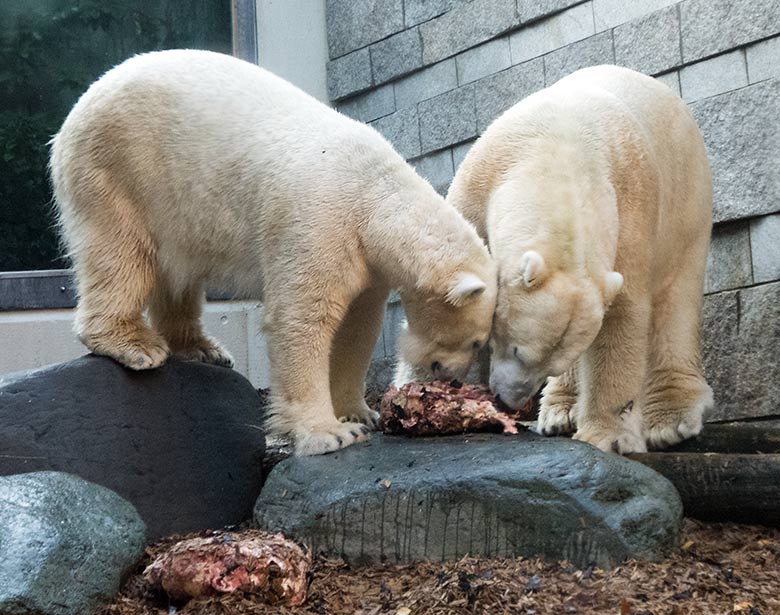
x=719, y=569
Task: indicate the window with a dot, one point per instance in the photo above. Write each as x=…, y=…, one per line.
x=50, y=52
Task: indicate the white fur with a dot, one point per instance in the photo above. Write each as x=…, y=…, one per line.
x=595, y=197
x=181, y=168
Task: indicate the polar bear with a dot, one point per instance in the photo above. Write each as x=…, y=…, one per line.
x=180, y=168
x=595, y=197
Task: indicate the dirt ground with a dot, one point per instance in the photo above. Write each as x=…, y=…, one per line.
x=719, y=569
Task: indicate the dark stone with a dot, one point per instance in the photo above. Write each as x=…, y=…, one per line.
x=182, y=443
x=65, y=544
x=394, y=499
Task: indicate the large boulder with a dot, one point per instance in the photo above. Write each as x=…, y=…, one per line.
x=400, y=500
x=183, y=443
x=65, y=544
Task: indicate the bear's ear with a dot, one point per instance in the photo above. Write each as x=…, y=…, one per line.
x=464, y=287
x=613, y=282
x=532, y=269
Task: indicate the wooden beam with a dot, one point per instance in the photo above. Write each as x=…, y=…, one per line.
x=245, y=29
x=723, y=487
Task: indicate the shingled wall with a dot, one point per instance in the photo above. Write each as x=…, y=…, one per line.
x=431, y=74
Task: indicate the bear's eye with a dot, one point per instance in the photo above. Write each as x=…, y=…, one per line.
x=476, y=345
x=517, y=356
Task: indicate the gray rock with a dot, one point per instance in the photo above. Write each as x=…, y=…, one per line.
x=651, y=44
x=530, y=10
x=611, y=13
x=468, y=24
x=395, y=56
x=765, y=246
x=427, y=83
x=500, y=91
x=742, y=134
x=740, y=337
x=65, y=544
x=417, y=11
x=437, y=169
x=558, y=31
x=459, y=153
x=671, y=80
x=719, y=343
x=370, y=105
x=402, y=129
x=349, y=74
x=589, y=52
x=763, y=60
x=758, y=364
x=352, y=24
x=714, y=76
x=182, y=443
x=484, y=60
x=728, y=263
x=448, y=118
x=712, y=26
x=403, y=500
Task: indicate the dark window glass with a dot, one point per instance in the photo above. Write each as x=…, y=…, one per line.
x=50, y=51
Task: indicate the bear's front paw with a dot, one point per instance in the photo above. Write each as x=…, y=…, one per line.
x=555, y=419
x=361, y=414
x=330, y=437
x=611, y=438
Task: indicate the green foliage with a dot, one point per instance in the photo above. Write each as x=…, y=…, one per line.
x=50, y=51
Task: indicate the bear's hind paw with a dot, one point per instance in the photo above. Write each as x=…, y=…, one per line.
x=612, y=440
x=206, y=350
x=667, y=428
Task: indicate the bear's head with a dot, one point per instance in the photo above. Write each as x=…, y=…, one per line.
x=445, y=330
x=545, y=319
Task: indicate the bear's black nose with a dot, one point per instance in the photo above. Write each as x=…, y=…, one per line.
x=435, y=367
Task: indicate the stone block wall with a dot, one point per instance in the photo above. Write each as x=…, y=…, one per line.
x=432, y=74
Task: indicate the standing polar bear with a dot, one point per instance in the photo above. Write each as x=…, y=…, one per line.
x=595, y=197
x=182, y=167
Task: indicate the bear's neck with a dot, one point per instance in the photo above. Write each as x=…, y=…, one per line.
x=562, y=206
x=412, y=238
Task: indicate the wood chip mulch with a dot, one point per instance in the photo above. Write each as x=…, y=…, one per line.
x=719, y=569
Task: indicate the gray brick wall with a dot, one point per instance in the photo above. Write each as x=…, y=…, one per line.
x=432, y=74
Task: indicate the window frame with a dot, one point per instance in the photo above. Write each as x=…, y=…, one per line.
x=52, y=289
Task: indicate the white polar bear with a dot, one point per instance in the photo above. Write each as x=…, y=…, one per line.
x=595, y=196
x=182, y=167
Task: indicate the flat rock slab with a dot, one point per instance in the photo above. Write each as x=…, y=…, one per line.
x=183, y=443
x=400, y=500
x=65, y=544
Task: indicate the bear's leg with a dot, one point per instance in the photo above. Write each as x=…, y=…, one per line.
x=176, y=315
x=556, y=410
x=114, y=260
x=611, y=373
x=300, y=326
x=677, y=397
x=349, y=360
